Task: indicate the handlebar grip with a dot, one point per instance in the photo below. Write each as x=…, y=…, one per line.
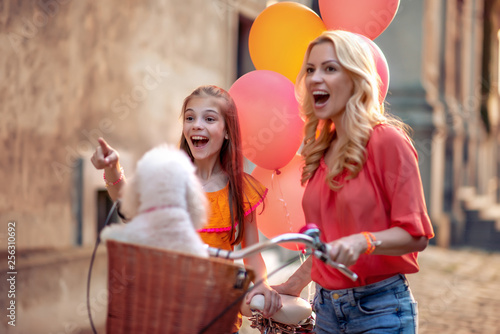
x=308, y=227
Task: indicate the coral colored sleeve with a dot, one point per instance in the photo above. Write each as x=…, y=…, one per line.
x=396, y=163
x=254, y=193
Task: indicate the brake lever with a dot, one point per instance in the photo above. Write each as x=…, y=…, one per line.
x=321, y=251
x=339, y=266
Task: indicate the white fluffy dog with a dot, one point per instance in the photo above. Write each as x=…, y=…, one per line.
x=166, y=203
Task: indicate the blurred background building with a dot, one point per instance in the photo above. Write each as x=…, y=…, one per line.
x=73, y=71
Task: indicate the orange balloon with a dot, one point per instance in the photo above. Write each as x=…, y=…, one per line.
x=280, y=35
x=283, y=206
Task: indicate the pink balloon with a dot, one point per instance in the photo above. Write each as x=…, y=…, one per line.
x=271, y=127
x=283, y=206
x=382, y=68
x=366, y=17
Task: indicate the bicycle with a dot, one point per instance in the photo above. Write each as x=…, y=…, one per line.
x=157, y=291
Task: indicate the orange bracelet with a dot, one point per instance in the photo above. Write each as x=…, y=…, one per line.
x=370, y=242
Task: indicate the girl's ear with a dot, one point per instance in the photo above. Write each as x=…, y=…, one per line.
x=226, y=135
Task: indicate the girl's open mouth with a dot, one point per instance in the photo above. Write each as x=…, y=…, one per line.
x=199, y=141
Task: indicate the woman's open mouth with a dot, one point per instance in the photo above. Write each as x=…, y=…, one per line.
x=199, y=141
x=320, y=98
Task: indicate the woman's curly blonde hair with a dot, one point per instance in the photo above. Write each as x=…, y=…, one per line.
x=363, y=110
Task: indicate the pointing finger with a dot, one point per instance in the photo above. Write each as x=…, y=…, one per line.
x=104, y=146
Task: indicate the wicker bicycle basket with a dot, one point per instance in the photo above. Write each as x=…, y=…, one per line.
x=158, y=291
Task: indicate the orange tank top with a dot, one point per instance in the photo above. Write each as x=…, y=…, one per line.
x=216, y=233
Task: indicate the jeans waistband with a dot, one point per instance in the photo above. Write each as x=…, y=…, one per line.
x=366, y=288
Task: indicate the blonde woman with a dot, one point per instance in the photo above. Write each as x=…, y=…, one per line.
x=363, y=190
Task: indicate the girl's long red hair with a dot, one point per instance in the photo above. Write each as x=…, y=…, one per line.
x=231, y=158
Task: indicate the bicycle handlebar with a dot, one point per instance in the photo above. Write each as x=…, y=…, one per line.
x=310, y=237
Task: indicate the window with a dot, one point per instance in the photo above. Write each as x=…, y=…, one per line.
x=244, y=63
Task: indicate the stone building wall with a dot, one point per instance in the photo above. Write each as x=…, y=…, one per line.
x=402, y=44
x=72, y=71
x=76, y=70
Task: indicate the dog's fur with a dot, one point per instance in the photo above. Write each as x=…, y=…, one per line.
x=166, y=201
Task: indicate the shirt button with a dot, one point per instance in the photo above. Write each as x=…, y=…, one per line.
x=336, y=296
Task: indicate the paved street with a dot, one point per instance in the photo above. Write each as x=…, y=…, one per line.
x=458, y=291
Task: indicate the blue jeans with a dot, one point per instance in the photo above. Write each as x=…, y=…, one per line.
x=380, y=308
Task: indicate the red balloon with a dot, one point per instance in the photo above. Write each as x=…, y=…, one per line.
x=283, y=206
x=382, y=68
x=366, y=17
x=271, y=127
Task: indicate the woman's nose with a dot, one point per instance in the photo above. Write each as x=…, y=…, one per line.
x=316, y=76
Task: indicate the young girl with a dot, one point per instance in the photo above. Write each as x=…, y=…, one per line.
x=211, y=137
x=363, y=191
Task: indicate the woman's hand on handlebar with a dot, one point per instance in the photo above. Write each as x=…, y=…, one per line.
x=348, y=249
x=271, y=297
x=104, y=156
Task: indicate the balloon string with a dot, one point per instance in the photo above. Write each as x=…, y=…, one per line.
x=275, y=183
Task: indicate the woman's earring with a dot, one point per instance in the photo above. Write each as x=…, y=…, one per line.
x=226, y=136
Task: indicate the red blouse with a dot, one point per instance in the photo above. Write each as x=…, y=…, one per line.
x=386, y=193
